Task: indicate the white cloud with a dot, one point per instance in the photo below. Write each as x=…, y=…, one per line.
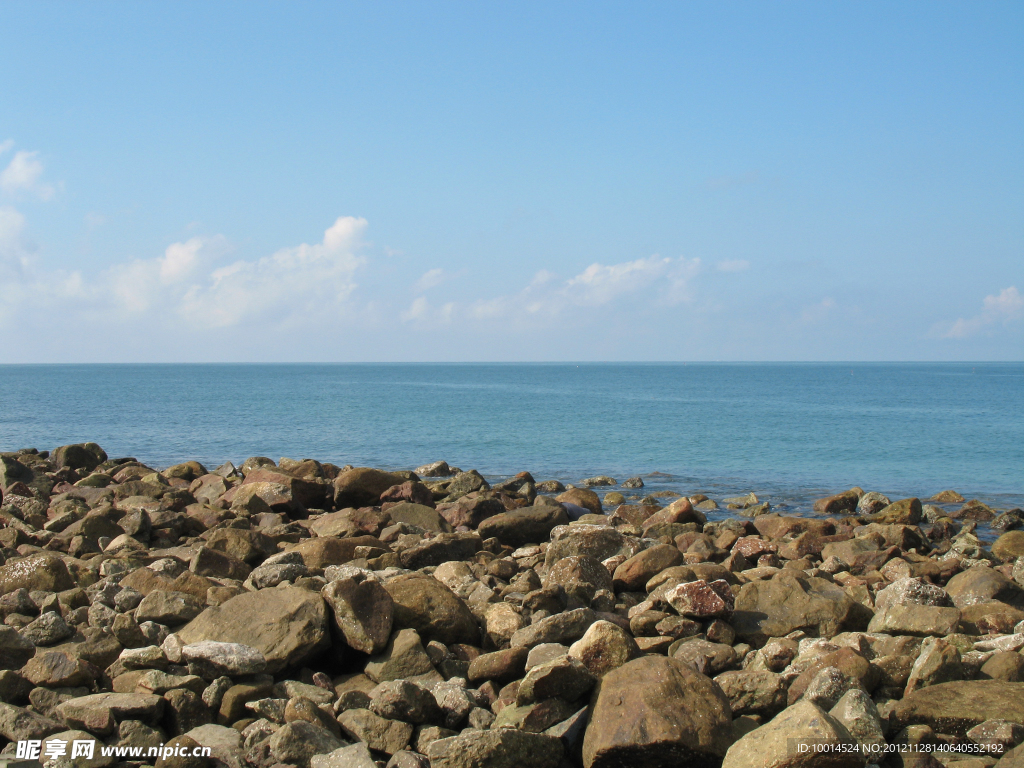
x=23, y=173
x=13, y=252
x=430, y=279
x=733, y=265
x=417, y=310
x=1004, y=307
x=599, y=284
x=304, y=282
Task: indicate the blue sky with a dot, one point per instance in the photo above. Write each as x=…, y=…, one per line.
x=511, y=181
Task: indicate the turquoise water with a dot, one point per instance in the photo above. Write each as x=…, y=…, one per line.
x=786, y=431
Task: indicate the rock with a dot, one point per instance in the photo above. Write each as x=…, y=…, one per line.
x=775, y=745
x=48, y=629
x=321, y=553
x=535, y=717
x=597, y=541
x=501, y=622
x=84, y=456
x=656, y=712
x=579, y=576
x=752, y=692
x=170, y=608
x=526, y=525
x=701, y=600
x=411, y=491
x=703, y=656
x=974, y=510
x=1003, y=665
x=405, y=701
x=581, y=497
x=635, y=572
x=224, y=743
x=1009, y=546
x=471, y=510
x=870, y=503
x=210, y=562
x=956, y=707
x=419, y=515
x=502, y=666
x=560, y=628
x=918, y=620
x=423, y=603
x=454, y=701
x=998, y=735
x=211, y=659
x=99, y=713
x=59, y=670
x=464, y=483
x=15, y=650
x=387, y=736
x=352, y=756
x=42, y=573
x=981, y=584
x=947, y=497
x=938, y=661
x=403, y=659
x=858, y=713
x=790, y=601
x=902, y=512
x=435, y=469
x=244, y=545
x=503, y=748
x=604, y=647
x=363, y=613
x=564, y=678
x=841, y=503
x=442, y=548
x=297, y=742
x=287, y=625
x=17, y=724
x=362, y=487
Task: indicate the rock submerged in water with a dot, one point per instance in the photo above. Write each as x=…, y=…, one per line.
x=305, y=614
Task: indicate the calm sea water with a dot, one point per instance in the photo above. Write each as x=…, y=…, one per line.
x=789, y=432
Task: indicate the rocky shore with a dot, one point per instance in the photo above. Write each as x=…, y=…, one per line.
x=296, y=613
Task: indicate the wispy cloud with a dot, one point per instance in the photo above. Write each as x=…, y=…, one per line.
x=430, y=279
x=1003, y=307
x=24, y=173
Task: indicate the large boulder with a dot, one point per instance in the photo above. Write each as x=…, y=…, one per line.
x=598, y=541
x=42, y=572
x=582, y=497
x=982, y=584
x=659, y=713
x=363, y=612
x=527, y=525
x=958, y=706
x=287, y=625
x=903, y=512
x=790, y=601
x=86, y=456
x=423, y=603
x=305, y=494
x=362, y=486
x=778, y=743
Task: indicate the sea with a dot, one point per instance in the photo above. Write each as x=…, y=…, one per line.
x=789, y=433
